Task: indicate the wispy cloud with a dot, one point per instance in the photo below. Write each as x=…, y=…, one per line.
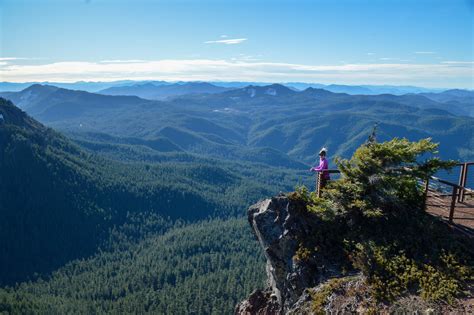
x=123, y=61
x=232, y=41
x=446, y=74
x=370, y=54
x=393, y=59
x=458, y=62
x=424, y=52
x=12, y=58
x=245, y=57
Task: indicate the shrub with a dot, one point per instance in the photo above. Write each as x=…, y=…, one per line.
x=382, y=178
x=372, y=218
x=319, y=297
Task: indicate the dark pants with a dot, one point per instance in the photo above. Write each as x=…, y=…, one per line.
x=323, y=182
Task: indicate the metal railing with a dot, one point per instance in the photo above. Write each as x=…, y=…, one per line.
x=457, y=194
x=463, y=180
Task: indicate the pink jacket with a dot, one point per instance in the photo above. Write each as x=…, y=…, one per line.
x=323, y=165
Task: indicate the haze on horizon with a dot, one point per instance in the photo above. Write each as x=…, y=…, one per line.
x=422, y=43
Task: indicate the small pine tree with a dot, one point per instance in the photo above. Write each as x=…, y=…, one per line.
x=371, y=220
x=373, y=135
x=382, y=178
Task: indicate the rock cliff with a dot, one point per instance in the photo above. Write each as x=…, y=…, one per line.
x=280, y=225
x=303, y=282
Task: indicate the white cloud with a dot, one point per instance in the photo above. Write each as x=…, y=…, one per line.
x=20, y=58
x=224, y=36
x=446, y=74
x=232, y=41
x=458, y=62
x=12, y=58
x=425, y=52
x=370, y=54
x=123, y=61
x=245, y=57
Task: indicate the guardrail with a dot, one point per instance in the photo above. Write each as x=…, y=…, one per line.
x=458, y=191
x=463, y=179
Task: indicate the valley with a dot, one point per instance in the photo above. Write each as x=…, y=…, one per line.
x=131, y=197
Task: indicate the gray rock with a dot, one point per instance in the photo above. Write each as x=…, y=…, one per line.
x=259, y=303
x=279, y=225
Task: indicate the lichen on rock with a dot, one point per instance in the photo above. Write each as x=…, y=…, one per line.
x=280, y=226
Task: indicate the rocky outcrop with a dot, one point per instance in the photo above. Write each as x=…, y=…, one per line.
x=280, y=225
x=305, y=282
x=259, y=303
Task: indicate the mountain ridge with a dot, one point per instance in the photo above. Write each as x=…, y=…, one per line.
x=85, y=195
x=95, y=86
x=164, y=91
x=295, y=123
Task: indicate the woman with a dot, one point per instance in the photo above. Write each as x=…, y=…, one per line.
x=323, y=165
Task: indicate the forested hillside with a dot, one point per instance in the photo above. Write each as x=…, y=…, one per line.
x=164, y=91
x=201, y=268
x=59, y=202
x=269, y=124
x=140, y=206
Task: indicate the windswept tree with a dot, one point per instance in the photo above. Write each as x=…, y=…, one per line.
x=372, y=220
x=383, y=178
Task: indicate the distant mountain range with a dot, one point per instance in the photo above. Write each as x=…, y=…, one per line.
x=337, y=88
x=454, y=98
x=366, y=89
x=269, y=124
x=163, y=91
x=79, y=85
x=51, y=103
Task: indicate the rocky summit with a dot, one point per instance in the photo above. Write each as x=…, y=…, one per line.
x=279, y=224
x=298, y=284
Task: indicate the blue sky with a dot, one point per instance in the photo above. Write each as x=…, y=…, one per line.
x=426, y=43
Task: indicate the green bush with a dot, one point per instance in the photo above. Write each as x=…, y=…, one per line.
x=382, y=178
x=373, y=219
x=319, y=297
x=393, y=274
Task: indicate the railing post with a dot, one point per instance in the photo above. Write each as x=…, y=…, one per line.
x=453, y=204
x=318, y=185
x=427, y=185
x=462, y=181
